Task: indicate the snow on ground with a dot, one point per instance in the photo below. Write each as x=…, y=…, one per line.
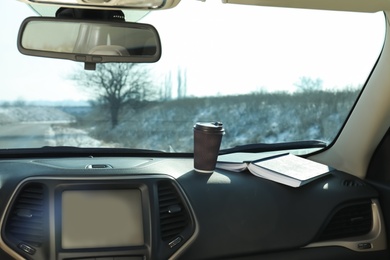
x=61, y=135
x=33, y=114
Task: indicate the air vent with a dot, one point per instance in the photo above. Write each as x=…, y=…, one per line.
x=26, y=221
x=350, y=221
x=352, y=183
x=174, y=217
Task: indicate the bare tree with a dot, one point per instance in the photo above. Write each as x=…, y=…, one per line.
x=181, y=83
x=307, y=84
x=167, y=92
x=116, y=85
x=180, y=79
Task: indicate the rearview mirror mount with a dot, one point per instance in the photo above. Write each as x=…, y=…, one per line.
x=110, y=4
x=89, y=41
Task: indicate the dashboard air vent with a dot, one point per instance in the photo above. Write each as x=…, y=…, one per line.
x=174, y=217
x=352, y=220
x=352, y=183
x=26, y=221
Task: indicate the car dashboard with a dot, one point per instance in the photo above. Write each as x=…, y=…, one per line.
x=160, y=208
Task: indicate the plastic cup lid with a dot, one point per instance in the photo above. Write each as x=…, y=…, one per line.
x=209, y=126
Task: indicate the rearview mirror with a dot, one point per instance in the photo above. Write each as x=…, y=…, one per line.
x=89, y=41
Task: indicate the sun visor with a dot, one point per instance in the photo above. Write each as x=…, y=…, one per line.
x=336, y=5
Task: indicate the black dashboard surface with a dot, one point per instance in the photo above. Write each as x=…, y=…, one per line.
x=236, y=214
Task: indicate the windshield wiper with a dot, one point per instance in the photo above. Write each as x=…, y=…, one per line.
x=73, y=151
x=264, y=147
x=75, y=148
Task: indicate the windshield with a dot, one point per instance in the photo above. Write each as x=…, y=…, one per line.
x=270, y=75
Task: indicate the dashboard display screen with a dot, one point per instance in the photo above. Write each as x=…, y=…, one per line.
x=101, y=218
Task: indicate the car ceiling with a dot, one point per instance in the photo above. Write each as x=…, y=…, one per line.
x=337, y=5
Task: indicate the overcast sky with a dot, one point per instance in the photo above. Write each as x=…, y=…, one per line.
x=215, y=50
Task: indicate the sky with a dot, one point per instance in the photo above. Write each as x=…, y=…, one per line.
x=228, y=49
x=29, y=78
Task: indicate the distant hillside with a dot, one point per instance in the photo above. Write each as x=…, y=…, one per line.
x=264, y=117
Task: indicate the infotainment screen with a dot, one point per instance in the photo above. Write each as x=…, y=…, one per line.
x=101, y=218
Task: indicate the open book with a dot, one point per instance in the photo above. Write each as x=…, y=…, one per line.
x=287, y=169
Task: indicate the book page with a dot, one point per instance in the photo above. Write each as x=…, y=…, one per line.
x=294, y=166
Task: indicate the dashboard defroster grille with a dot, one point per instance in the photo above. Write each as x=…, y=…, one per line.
x=174, y=217
x=26, y=219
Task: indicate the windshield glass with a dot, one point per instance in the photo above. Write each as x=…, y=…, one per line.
x=270, y=75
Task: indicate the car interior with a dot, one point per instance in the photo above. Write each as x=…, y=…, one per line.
x=70, y=202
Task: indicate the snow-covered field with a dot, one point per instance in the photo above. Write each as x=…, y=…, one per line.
x=33, y=114
x=58, y=133
x=261, y=118
x=168, y=126
x=62, y=135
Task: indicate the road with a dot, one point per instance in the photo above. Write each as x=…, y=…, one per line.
x=24, y=135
